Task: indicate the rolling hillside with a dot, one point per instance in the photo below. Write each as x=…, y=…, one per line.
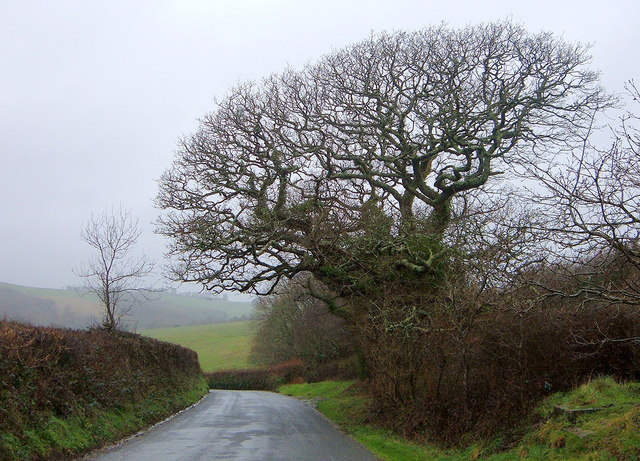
x=220, y=346
x=233, y=309
x=67, y=308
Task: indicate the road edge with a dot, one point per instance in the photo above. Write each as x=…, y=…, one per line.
x=98, y=451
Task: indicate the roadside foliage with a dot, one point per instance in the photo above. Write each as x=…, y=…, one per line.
x=64, y=392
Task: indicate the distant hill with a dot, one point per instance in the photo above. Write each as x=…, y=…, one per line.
x=67, y=308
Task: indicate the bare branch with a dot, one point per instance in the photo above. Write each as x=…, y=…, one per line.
x=342, y=168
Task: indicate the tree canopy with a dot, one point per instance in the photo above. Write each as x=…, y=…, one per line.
x=354, y=164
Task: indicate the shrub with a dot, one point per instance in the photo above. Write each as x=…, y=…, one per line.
x=336, y=370
x=446, y=386
x=262, y=379
x=291, y=324
x=287, y=371
x=258, y=379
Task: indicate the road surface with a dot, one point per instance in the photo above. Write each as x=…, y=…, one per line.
x=241, y=425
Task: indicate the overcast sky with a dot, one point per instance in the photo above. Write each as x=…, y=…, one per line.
x=94, y=94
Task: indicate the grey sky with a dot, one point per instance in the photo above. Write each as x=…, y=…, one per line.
x=94, y=94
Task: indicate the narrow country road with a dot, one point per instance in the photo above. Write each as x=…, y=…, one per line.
x=241, y=425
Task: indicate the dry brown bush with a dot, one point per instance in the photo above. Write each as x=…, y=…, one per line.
x=443, y=385
x=260, y=379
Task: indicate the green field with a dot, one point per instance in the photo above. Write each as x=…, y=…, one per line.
x=231, y=308
x=219, y=346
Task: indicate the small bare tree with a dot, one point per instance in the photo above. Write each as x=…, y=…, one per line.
x=112, y=274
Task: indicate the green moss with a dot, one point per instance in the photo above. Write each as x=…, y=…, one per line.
x=335, y=272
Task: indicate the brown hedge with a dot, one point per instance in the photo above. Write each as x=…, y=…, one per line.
x=446, y=387
x=51, y=372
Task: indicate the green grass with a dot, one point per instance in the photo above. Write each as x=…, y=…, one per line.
x=343, y=403
x=57, y=438
x=611, y=434
x=220, y=346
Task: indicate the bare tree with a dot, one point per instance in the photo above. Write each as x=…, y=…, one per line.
x=113, y=274
x=292, y=324
x=349, y=169
x=372, y=170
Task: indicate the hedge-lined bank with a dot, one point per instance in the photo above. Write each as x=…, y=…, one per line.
x=611, y=433
x=64, y=392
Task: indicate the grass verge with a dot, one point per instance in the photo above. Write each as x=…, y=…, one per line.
x=609, y=434
x=60, y=438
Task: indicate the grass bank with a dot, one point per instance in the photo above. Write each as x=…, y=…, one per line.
x=56, y=437
x=220, y=346
x=612, y=433
x=64, y=392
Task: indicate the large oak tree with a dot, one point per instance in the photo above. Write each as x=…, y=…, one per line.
x=351, y=167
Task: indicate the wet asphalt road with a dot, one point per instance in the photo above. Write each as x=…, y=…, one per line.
x=242, y=425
